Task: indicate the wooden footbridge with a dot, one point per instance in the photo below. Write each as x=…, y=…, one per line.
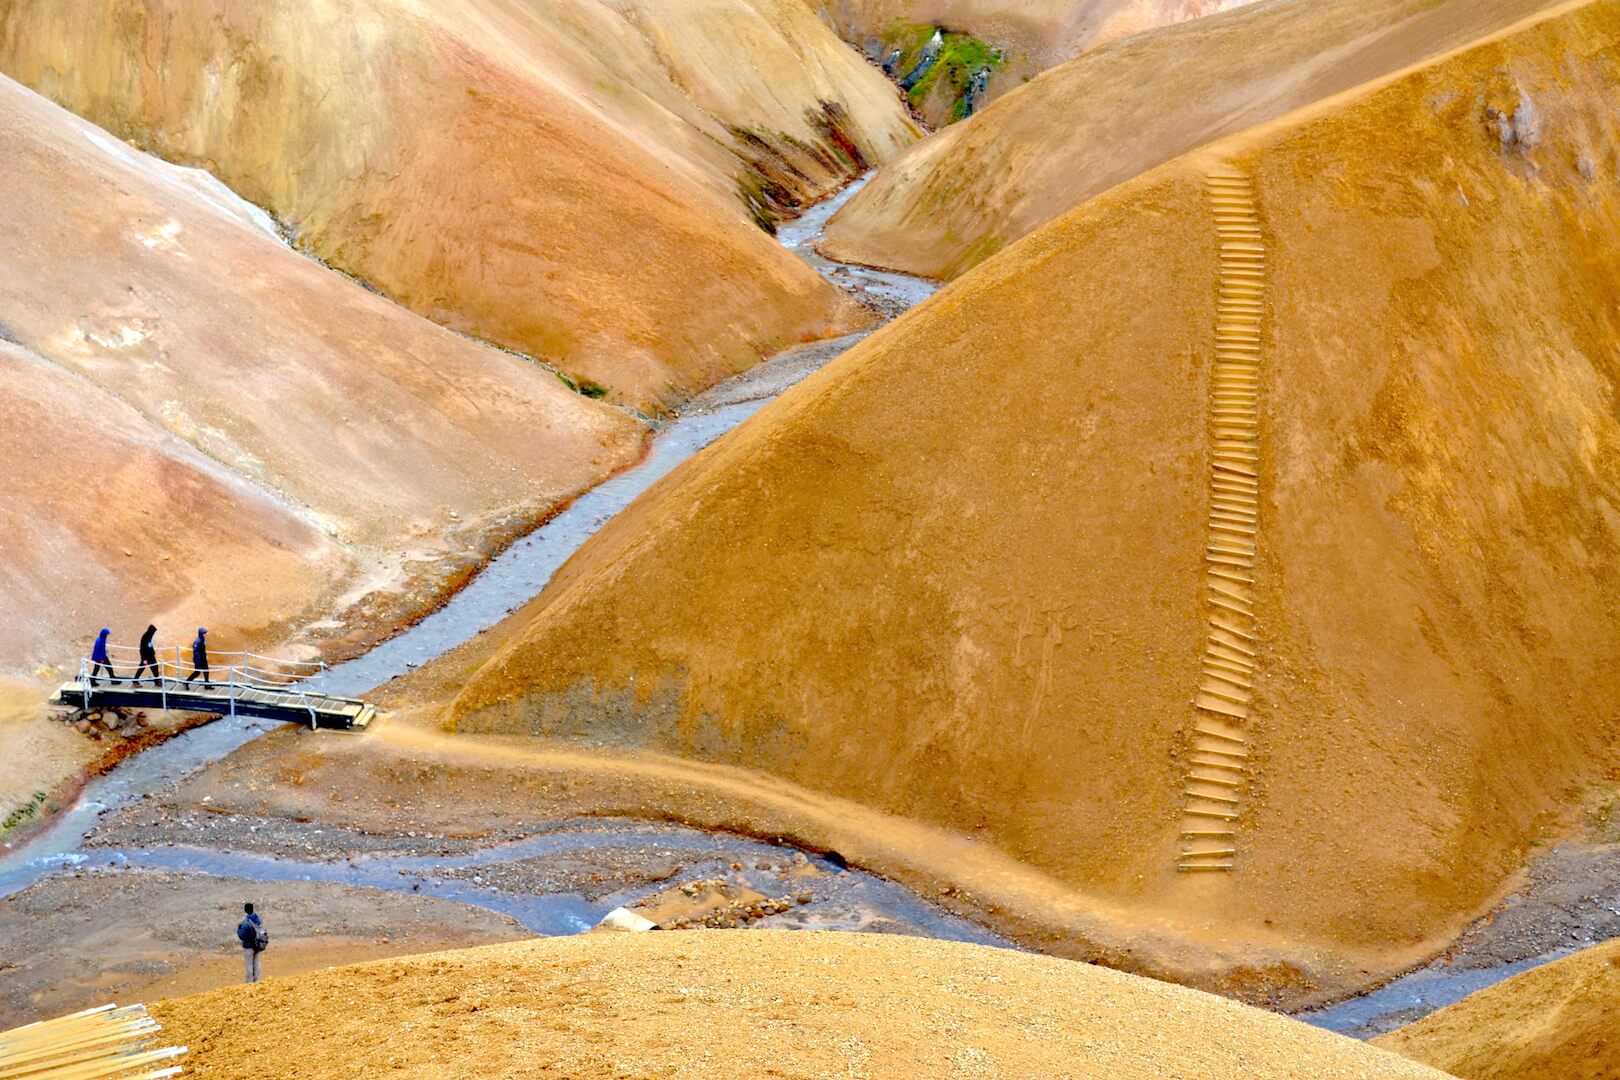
x=247, y=685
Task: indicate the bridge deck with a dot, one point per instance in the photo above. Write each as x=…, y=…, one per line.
x=294, y=706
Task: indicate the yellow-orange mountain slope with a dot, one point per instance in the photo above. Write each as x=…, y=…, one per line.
x=964, y=574
x=570, y=180
x=1555, y=1022
x=746, y=1003
x=203, y=427
x=951, y=202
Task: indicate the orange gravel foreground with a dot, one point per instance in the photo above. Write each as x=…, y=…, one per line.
x=720, y=1003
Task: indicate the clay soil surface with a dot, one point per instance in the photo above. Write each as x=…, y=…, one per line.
x=407, y=788
x=39, y=755
x=770, y=1004
x=48, y=760
x=278, y=453
x=91, y=937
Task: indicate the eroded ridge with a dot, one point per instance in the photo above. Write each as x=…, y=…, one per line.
x=1218, y=765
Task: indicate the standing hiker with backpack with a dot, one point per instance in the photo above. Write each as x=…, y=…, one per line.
x=255, y=939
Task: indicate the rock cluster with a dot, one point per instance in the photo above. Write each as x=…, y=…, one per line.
x=718, y=904
x=125, y=723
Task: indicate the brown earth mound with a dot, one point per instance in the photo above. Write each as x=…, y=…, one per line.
x=202, y=427
x=951, y=202
x=1556, y=1022
x=757, y=1004
x=562, y=179
x=1330, y=452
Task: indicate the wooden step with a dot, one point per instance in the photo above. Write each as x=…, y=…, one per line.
x=1235, y=739
x=1222, y=782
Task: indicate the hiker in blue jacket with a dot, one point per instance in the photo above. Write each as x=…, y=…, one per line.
x=99, y=660
x=255, y=939
x=199, y=657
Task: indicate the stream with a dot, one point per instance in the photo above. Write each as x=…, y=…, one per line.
x=845, y=900
x=1414, y=996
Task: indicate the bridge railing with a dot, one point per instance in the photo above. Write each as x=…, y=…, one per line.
x=242, y=673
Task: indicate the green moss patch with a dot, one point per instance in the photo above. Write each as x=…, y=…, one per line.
x=960, y=57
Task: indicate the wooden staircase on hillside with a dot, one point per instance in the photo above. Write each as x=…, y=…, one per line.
x=1218, y=764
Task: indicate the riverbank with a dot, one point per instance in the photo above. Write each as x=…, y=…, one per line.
x=544, y=829
x=347, y=828
x=40, y=757
x=48, y=762
x=91, y=936
x=1568, y=899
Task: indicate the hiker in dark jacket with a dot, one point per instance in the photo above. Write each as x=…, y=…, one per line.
x=255, y=939
x=149, y=658
x=98, y=658
x=199, y=657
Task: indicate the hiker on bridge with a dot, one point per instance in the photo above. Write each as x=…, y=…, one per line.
x=149, y=659
x=255, y=939
x=99, y=658
x=199, y=657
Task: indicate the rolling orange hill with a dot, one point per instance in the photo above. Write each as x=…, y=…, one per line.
x=967, y=192
x=203, y=427
x=1258, y=513
x=575, y=181
x=747, y=1003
